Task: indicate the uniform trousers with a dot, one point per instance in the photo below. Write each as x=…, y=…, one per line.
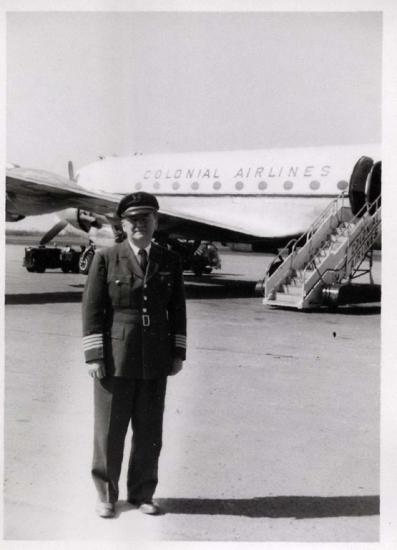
x=117, y=401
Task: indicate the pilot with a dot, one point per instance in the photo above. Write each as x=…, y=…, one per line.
x=134, y=336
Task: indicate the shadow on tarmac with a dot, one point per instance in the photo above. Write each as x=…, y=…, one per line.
x=299, y=507
x=43, y=298
x=197, y=288
x=207, y=290
x=230, y=290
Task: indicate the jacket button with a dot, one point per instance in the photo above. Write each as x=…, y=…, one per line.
x=144, y=310
x=145, y=297
x=118, y=283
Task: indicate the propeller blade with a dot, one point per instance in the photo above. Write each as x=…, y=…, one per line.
x=71, y=170
x=53, y=232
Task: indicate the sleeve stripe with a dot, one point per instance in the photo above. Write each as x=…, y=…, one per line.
x=92, y=341
x=180, y=340
x=92, y=336
x=94, y=346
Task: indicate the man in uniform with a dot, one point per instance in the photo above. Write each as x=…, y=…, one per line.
x=134, y=336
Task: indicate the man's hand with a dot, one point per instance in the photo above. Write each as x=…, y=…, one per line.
x=176, y=366
x=96, y=369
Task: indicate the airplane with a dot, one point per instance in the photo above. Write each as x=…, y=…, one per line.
x=261, y=197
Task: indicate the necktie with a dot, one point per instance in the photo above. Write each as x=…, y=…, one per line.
x=143, y=259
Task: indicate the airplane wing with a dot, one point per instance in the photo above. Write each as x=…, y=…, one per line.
x=32, y=192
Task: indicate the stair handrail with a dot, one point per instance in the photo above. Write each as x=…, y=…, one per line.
x=373, y=206
x=367, y=240
x=288, y=265
x=334, y=205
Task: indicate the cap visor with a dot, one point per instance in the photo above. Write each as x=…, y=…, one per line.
x=137, y=210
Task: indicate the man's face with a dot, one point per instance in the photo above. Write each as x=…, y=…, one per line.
x=140, y=227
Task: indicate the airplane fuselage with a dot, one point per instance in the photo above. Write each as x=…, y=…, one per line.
x=261, y=194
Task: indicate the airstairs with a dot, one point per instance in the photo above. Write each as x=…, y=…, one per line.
x=331, y=253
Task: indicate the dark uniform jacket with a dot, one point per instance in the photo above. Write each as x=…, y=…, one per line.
x=136, y=323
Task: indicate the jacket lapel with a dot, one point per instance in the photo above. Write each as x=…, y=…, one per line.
x=129, y=257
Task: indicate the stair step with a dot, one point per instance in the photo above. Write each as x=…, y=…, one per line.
x=292, y=290
x=281, y=297
x=302, y=275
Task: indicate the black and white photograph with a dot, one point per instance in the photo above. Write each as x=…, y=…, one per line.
x=193, y=273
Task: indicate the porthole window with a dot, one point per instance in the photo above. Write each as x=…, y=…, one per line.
x=262, y=185
x=217, y=185
x=175, y=185
x=239, y=185
x=342, y=185
x=195, y=185
x=288, y=185
x=138, y=186
x=156, y=185
x=314, y=185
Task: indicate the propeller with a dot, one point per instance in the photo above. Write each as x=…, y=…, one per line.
x=77, y=218
x=51, y=233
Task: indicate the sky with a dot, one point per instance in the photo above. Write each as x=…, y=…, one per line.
x=84, y=84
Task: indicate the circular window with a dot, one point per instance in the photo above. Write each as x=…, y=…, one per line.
x=262, y=185
x=314, y=185
x=239, y=185
x=288, y=185
x=138, y=186
x=342, y=185
x=217, y=185
x=156, y=185
x=175, y=185
x=195, y=185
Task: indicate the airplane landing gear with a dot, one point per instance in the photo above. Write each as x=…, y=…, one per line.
x=85, y=259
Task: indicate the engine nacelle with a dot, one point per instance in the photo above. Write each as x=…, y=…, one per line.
x=80, y=219
x=12, y=214
x=365, y=184
x=11, y=217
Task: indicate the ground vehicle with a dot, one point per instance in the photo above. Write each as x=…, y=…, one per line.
x=197, y=257
x=39, y=258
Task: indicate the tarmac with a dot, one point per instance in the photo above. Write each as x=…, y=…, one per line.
x=271, y=431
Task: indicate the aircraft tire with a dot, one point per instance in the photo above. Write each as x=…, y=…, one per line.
x=375, y=184
x=85, y=261
x=357, y=183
